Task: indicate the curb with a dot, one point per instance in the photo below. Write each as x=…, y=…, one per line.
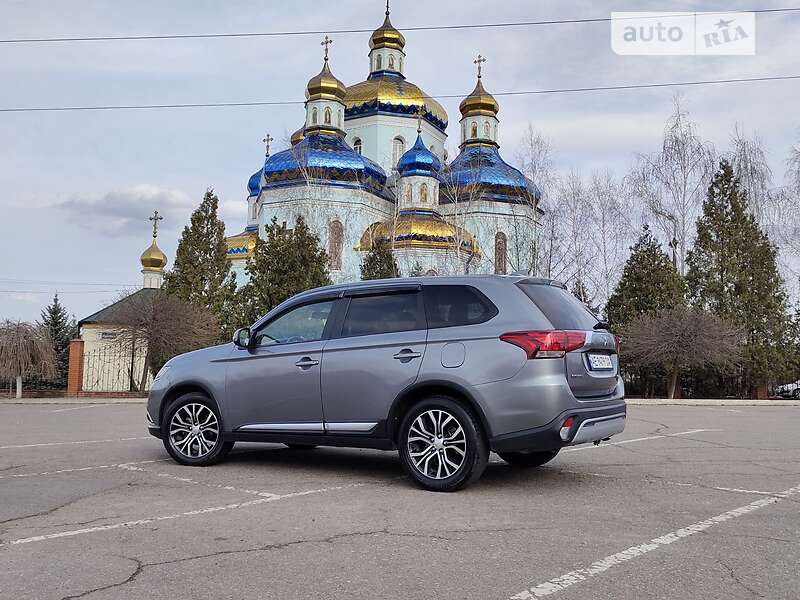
x=709, y=402
x=78, y=400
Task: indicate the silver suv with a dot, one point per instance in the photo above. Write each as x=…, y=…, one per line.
x=442, y=369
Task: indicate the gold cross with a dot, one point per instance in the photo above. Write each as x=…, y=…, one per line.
x=155, y=219
x=326, y=42
x=387, y=8
x=478, y=62
x=419, y=118
x=266, y=141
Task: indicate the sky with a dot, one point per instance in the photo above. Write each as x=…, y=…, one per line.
x=77, y=187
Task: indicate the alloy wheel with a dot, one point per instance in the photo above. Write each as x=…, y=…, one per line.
x=437, y=444
x=194, y=430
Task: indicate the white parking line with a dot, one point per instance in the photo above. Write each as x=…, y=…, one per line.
x=641, y=439
x=190, y=513
x=558, y=584
x=81, y=407
x=229, y=488
x=79, y=469
x=146, y=437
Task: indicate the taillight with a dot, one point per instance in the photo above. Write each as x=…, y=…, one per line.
x=546, y=344
x=565, y=428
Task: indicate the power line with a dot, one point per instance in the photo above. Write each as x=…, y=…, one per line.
x=117, y=38
x=629, y=86
x=63, y=292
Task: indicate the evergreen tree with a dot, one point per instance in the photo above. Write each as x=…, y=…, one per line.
x=733, y=273
x=287, y=262
x=581, y=292
x=61, y=329
x=379, y=263
x=649, y=284
x=201, y=273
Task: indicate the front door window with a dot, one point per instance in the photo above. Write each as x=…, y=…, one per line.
x=302, y=324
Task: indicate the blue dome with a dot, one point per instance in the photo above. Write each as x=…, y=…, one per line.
x=325, y=157
x=480, y=165
x=418, y=160
x=254, y=184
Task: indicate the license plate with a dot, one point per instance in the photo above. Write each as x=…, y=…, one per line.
x=600, y=362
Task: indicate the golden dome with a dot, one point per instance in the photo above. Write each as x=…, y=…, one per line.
x=153, y=259
x=298, y=136
x=324, y=86
x=386, y=36
x=419, y=228
x=395, y=92
x=479, y=102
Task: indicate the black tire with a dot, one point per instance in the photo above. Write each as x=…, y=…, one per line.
x=436, y=476
x=205, y=457
x=528, y=459
x=301, y=446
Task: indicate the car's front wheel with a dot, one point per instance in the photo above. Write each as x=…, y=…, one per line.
x=193, y=433
x=441, y=445
x=528, y=459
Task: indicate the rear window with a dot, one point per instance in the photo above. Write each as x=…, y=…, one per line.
x=368, y=315
x=562, y=309
x=454, y=305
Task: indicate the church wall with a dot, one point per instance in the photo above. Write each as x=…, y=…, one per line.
x=355, y=209
x=377, y=133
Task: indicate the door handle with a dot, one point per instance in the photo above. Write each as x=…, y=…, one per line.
x=407, y=354
x=306, y=362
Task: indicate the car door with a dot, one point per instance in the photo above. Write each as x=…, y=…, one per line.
x=375, y=354
x=275, y=386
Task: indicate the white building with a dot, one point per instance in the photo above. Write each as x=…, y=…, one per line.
x=369, y=166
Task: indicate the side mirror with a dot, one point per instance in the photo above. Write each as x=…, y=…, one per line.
x=241, y=337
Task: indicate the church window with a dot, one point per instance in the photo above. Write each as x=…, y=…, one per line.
x=378, y=62
x=314, y=116
x=357, y=145
x=391, y=61
x=327, y=115
x=474, y=130
x=335, y=242
x=398, y=148
x=339, y=119
x=408, y=195
x=486, y=131
x=500, y=252
x=423, y=193
x=401, y=64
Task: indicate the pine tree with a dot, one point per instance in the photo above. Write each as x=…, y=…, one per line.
x=733, y=273
x=285, y=263
x=649, y=284
x=379, y=263
x=61, y=329
x=201, y=273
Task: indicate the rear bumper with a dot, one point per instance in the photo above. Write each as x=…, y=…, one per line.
x=590, y=424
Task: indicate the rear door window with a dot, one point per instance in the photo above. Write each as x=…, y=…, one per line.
x=388, y=313
x=455, y=305
x=562, y=309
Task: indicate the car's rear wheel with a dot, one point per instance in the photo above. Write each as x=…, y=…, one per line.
x=528, y=458
x=193, y=431
x=441, y=445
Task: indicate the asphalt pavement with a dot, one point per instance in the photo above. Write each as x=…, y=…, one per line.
x=688, y=502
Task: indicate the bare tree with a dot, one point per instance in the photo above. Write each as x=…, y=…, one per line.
x=164, y=326
x=680, y=339
x=673, y=181
x=25, y=350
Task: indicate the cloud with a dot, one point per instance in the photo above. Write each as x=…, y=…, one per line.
x=125, y=211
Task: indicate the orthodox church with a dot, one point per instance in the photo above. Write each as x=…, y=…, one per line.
x=369, y=166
